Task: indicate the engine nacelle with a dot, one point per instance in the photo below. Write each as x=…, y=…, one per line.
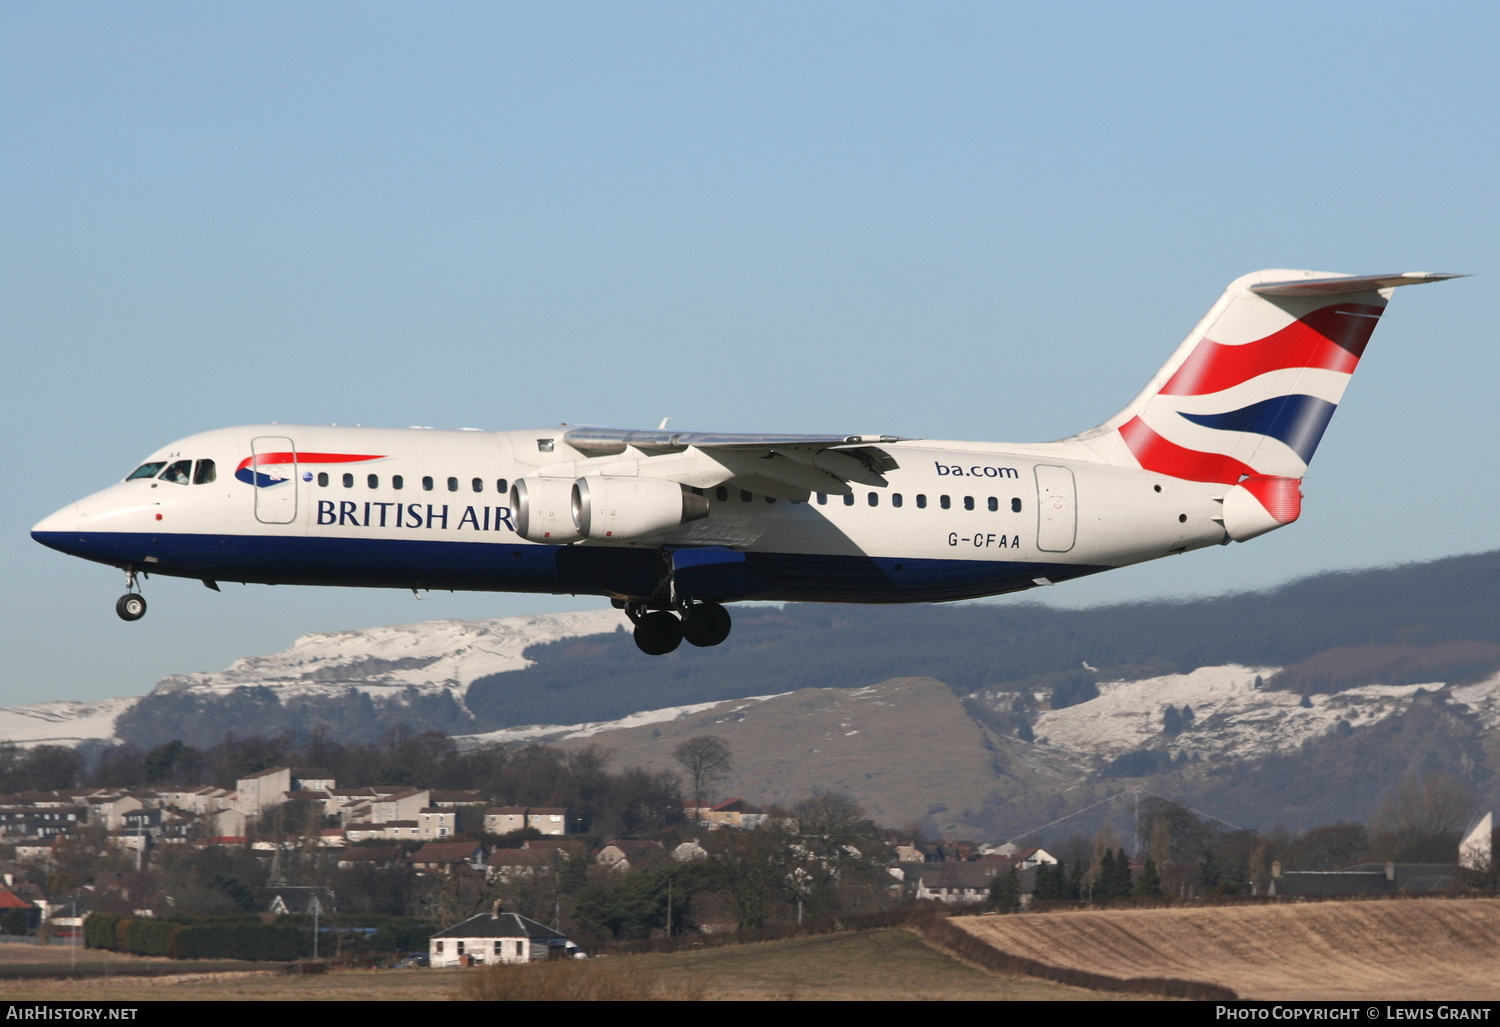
x=1258, y=505
x=543, y=510
x=619, y=508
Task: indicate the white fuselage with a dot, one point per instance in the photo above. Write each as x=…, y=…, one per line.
x=421, y=508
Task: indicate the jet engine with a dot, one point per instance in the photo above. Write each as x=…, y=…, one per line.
x=621, y=508
x=543, y=510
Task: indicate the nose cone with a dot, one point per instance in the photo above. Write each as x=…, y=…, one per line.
x=59, y=530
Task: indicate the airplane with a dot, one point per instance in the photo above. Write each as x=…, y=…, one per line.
x=673, y=525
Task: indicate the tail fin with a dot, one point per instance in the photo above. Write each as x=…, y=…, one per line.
x=1251, y=389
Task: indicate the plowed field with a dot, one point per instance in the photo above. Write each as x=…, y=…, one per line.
x=1415, y=949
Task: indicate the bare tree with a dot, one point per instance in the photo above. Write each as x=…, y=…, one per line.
x=1420, y=820
x=707, y=761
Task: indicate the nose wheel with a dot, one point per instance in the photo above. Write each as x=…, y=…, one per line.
x=131, y=605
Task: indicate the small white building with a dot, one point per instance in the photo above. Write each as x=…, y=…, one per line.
x=497, y=938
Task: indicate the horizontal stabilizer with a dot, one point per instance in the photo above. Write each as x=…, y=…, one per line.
x=1341, y=284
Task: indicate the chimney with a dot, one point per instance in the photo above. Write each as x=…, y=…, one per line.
x=497, y=908
x=1390, y=870
x=1275, y=868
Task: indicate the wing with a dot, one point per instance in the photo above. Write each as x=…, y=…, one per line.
x=784, y=466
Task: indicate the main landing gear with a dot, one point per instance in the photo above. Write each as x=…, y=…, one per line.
x=131, y=605
x=658, y=632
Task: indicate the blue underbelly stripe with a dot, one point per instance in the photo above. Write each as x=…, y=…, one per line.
x=580, y=570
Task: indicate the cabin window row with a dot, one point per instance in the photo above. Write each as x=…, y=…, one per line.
x=991, y=503
x=721, y=493
x=428, y=483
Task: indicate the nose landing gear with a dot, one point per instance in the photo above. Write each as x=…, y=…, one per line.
x=659, y=632
x=131, y=605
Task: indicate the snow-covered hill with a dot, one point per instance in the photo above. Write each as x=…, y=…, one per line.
x=383, y=663
x=1232, y=718
x=61, y=723
x=438, y=654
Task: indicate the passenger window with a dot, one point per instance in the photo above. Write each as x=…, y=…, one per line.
x=1015, y=506
x=895, y=499
x=180, y=472
x=426, y=483
x=968, y=502
x=994, y=504
x=721, y=494
x=204, y=473
x=372, y=481
x=849, y=499
x=397, y=482
x=322, y=479
x=348, y=481
x=477, y=484
x=921, y=501
x=944, y=502
x=744, y=496
x=874, y=499
x=452, y=484
x=146, y=470
x=502, y=486
x=822, y=499
x=770, y=499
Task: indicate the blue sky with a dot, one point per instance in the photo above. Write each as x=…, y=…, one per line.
x=949, y=220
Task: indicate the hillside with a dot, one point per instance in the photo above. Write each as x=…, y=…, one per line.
x=1433, y=949
x=1299, y=705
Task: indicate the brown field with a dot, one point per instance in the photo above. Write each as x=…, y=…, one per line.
x=891, y=964
x=1436, y=949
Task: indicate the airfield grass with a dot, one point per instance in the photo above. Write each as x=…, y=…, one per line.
x=868, y=965
x=1434, y=949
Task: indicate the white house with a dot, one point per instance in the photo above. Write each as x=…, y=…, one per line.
x=497, y=938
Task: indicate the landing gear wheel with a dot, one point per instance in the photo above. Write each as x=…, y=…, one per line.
x=705, y=624
x=131, y=606
x=657, y=634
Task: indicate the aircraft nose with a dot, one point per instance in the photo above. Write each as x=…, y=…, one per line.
x=55, y=530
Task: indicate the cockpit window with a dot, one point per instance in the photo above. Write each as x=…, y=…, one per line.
x=204, y=473
x=180, y=472
x=146, y=470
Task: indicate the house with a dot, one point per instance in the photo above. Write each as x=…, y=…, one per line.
x=284, y=900
x=513, y=864
x=497, y=938
x=369, y=855
x=1363, y=879
x=954, y=883
x=622, y=855
x=259, y=792
x=549, y=820
x=447, y=857
x=437, y=822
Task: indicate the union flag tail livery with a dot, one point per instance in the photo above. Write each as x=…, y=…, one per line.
x=1246, y=398
x=672, y=525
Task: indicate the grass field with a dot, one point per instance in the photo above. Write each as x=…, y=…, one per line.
x=1436, y=949
x=1442, y=949
x=891, y=964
